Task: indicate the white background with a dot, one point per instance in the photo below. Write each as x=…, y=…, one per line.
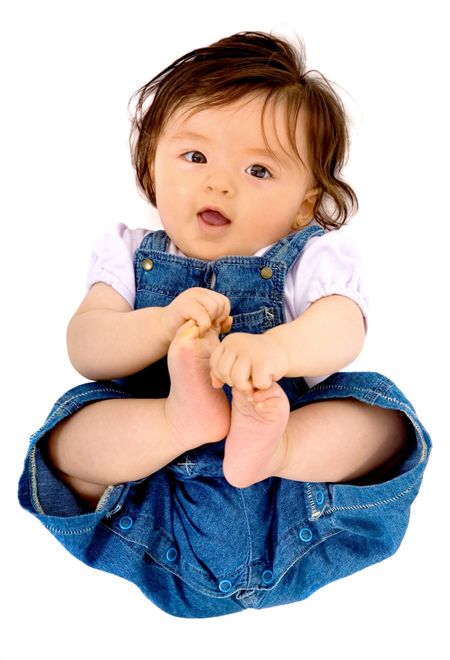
x=68, y=70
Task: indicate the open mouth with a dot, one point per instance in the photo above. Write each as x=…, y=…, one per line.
x=213, y=218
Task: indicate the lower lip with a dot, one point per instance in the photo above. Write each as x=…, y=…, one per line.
x=211, y=227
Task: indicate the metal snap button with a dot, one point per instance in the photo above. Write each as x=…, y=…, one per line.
x=320, y=498
x=266, y=272
x=126, y=522
x=267, y=577
x=305, y=534
x=225, y=586
x=171, y=554
x=147, y=264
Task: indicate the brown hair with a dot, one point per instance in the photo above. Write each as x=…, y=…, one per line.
x=251, y=63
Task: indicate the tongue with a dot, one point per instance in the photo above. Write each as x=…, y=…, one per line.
x=214, y=218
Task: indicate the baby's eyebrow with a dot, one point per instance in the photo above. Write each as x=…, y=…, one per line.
x=272, y=154
x=190, y=135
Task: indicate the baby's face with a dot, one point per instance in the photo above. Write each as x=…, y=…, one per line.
x=219, y=190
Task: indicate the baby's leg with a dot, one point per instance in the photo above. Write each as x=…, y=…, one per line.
x=343, y=440
x=332, y=441
x=119, y=440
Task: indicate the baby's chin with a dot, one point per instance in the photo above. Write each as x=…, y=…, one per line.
x=211, y=248
x=209, y=251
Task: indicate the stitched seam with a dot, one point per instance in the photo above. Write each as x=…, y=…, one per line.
x=286, y=250
x=64, y=406
x=161, y=257
x=250, y=555
x=132, y=543
x=292, y=530
x=33, y=482
x=254, y=293
x=419, y=431
x=362, y=389
x=314, y=511
x=66, y=532
x=102, y=501
x=369, y=505
x=77, y=396
x=297, y=559
x=260, y=316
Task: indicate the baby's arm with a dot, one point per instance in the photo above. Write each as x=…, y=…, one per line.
x=107, y=339
x=325, y=338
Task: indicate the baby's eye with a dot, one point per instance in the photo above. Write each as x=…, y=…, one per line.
x=194, y=157
x=259, y=171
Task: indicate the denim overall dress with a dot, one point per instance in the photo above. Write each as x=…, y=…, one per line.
x=195, y=545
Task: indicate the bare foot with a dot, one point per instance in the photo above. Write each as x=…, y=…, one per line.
x=256, y=444
x=196, y=412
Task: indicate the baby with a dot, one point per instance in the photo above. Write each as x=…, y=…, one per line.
x=217, y=450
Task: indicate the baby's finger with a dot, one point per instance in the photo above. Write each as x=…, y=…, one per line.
x=240, y=374
x=216, y=383
x=223, y=327
x=221, y=363
x=226, y=325
x=217, y=304
x=201, y=318
x=219, y=308
x=261, y=378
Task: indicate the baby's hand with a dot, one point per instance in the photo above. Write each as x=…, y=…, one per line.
x=248, y=362
x=205, y=307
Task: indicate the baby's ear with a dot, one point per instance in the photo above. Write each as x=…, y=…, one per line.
x=306, y=211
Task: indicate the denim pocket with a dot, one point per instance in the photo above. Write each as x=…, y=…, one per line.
x=254, y=322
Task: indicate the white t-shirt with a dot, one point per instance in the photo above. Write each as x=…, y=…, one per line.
x=329, y=264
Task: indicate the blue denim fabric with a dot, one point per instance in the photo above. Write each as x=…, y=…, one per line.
x=196, y=546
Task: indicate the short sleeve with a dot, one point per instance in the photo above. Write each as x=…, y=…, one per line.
x=112, y=258
x=329, y=265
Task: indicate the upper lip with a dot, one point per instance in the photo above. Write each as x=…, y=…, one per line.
x=214, y=208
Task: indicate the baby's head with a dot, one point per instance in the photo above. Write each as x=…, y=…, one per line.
x=244, y=105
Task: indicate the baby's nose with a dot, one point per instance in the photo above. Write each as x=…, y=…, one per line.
x=224, y=190
x=220, y=182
